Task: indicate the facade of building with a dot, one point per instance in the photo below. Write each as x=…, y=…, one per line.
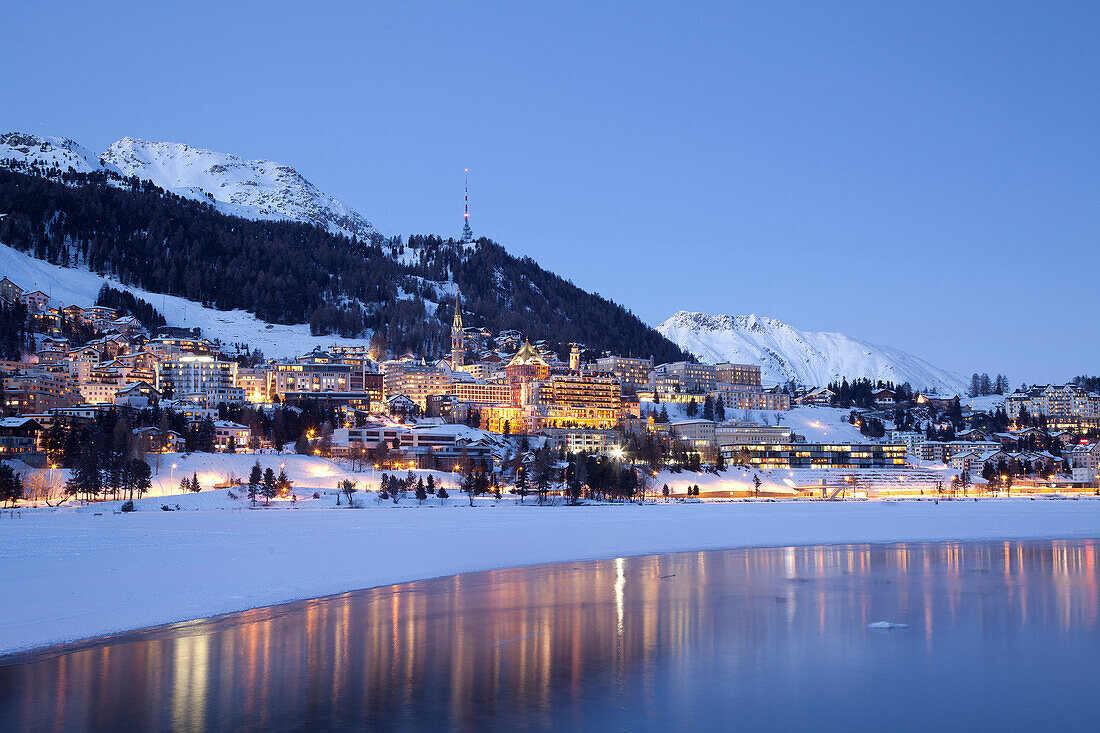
x=1064, y=407
x=493, y=393
x=739, y=374
x=224, y=430
x=192, y=374
x=691, y=377
x=746, y=399
x=818, y=455
x=631, y=372
x=525, y=367
x=415, y=380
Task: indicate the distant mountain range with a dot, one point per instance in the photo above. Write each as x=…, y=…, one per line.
x=809, y=358
x=253, y=189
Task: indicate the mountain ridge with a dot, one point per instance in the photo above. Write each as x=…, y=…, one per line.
x=258, y=189
x=809, y=358
x=114, y=217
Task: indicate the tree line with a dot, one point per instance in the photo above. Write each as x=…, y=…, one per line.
x=290, y=272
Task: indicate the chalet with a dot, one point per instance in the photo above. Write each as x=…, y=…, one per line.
x=19, y=435
x=884, y=398
x=100, y=312
x=1065, y=438
x=138, y=395
x=224, y=430
x=399, y=405
x=155, y=440
x=938, y=402
x=35, y=300
x=822, y=396
x=55, y=342
x=73, y=313
x=974, y=462
x=9, y=291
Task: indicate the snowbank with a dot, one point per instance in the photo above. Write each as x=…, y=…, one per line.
x=74, y=574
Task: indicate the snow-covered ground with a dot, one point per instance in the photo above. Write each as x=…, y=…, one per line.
x=74, y=573
x=68, y=286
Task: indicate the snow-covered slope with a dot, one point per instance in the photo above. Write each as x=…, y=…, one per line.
x=811, y=358
x=33, y=151
x=72, y=286
x=253, y=189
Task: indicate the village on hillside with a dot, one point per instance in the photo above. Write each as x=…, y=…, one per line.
x=96, y=390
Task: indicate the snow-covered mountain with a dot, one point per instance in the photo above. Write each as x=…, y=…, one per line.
x=254, y=189
x=44, y=153
x=811, y=358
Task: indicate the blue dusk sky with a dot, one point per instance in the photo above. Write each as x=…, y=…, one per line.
x=924, y=175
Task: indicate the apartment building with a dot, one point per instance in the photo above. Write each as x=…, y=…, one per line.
x=193, y=374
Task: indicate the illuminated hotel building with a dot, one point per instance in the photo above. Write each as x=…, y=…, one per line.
x=631, y=373
x=525, y=367
x=414, y=380
x=495, y=393
x=743, y=374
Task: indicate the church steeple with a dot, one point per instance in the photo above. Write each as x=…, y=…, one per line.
x=458, y=337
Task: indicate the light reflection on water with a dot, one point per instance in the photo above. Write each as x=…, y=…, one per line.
x=1003, y=636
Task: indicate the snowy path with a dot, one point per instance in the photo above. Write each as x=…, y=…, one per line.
x=68, y=575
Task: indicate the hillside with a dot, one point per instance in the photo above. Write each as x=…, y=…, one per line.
x=809, y=358
x=165, y=236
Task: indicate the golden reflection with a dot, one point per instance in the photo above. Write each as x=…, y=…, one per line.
x=522, y=639
x=620, y=583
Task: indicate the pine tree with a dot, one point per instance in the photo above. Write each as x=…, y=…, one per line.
x=521, y=483
x=708, y=408
x=430, y=486
x=11, y=485
x=255, y=480
x=720, y=410
x=270, y=488
x=421, y=492
x=206, y=436
x=692, y=408
x=283, y=484
x=195, y=483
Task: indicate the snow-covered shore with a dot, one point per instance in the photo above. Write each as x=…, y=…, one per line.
x=70, y=575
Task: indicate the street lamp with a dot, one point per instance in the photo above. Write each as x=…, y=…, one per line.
x=172, y=473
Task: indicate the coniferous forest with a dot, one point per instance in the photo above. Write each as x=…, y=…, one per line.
x=288, y=272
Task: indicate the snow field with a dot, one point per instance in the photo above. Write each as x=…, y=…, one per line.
x=75, y=574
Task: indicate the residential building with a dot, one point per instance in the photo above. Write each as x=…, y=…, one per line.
x=692, y=377
x=224, y=430
x=35, y=300
x=19, y=435
x=738, y=374
x=632, y=373
x=194, y=375
x=415, y=380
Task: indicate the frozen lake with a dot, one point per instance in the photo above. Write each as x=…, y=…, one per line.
x=1000, y=636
